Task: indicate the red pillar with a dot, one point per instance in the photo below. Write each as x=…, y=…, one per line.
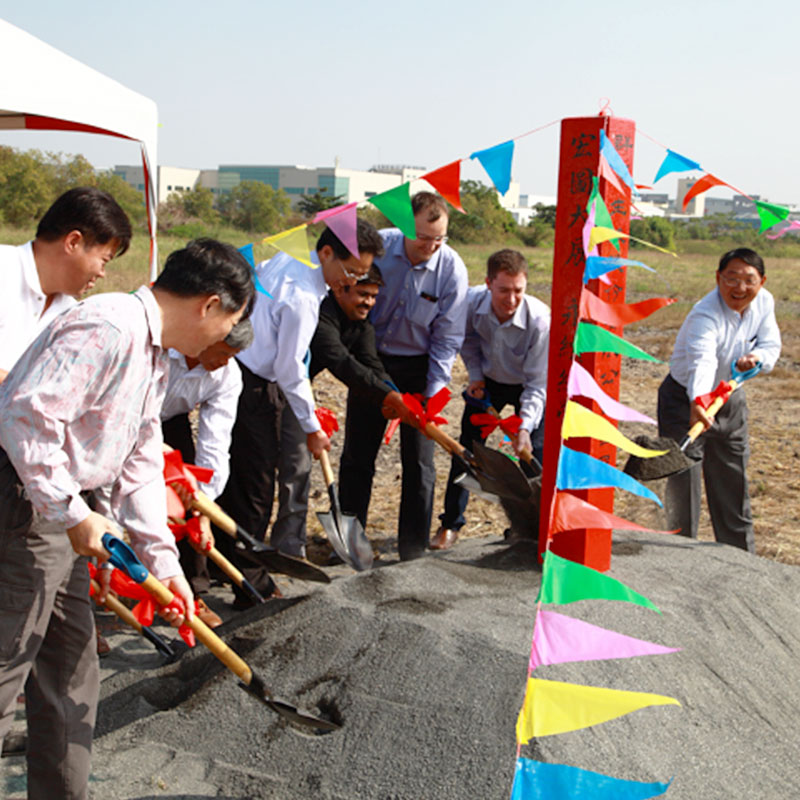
x=579, y=159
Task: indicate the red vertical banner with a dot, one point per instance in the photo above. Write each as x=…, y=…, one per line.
x=578, y=164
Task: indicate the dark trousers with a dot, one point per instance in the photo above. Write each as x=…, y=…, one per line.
x=363, y=436
x=455, y=497
x=178, y=434
x=47, y=645
x=722, y=453
x=267, y=441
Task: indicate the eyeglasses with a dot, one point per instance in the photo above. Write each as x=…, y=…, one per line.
x=732, y=282
x=353, y=276
x=421, y=237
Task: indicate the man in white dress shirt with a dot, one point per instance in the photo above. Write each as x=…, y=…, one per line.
x=735, y=322
x=276, y=429
x=78, y=235
x=212, y=383
x=505, y=353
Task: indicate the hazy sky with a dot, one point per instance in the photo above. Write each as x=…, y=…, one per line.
x=424, y=83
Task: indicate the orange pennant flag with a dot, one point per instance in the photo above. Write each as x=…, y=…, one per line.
x=570, y=513
x=703, y=185
x=552, y=707
x=617, y=314
x=447, y=181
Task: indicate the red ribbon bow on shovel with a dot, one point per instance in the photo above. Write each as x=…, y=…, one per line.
x=423, y=414
x=189, y=528
x=488, y=422
x=327, y=420
x=145, y=609
x=723, y=391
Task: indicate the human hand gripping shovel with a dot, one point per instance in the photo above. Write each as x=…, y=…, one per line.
x=123, y=557
x=650, y=469
x=255, y=550
x=344, y=531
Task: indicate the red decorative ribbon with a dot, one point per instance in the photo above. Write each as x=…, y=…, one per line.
x=391, y=428
x=424, y=413
x=188, y=528
x=145, y=609
x=488, y=422
x=175, y=471
x=327, y=420
x=705, y=400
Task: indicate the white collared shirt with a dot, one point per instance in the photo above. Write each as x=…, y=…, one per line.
x=22, y=320
x=284, y=326
x=713, y=335
x=217, y=393
x=513, y=352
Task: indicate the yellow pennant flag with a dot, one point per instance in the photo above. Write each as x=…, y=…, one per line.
x=552, y=707
x=294, y=243
x=598, y=235
x=579, y=421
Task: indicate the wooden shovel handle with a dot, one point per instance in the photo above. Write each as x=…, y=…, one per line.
x=327, y=470
x=234, y=574
x=448, y=442
x=711, y=412
x=221, y=650
x=205, y=505
x=122, y=611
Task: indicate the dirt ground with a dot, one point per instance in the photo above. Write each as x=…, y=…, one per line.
x=773, y=400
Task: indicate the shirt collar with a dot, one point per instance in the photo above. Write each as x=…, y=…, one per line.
x=399, y=249
x=29, y=268
x=152, y=312
x=484, y=306
x=728, y=312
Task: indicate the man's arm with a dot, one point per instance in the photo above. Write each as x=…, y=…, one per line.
x=768, y=338
x=447, y=329
x=534, y=374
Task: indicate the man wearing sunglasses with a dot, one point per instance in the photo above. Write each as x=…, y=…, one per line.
x=734, y=323
x=276, y=430
x=419, y=318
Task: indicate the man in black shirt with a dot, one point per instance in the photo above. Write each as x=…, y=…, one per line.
x=344, y=343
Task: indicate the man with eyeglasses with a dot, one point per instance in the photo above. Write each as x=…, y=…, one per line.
x=419, y=320
x=735, y=322
x=276, y=430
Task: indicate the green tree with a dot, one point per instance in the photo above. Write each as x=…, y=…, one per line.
x=310, y=204
x=26, y=186
x=656, y=230
x=255, y=206
x=545, y=214
x=485, y=219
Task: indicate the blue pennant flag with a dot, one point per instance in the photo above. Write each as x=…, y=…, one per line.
x=600, y=265
x=535, y=780
x=497, y=163
x=247, y=252
x=675, y=162
x=581, y=471
x=615, y=160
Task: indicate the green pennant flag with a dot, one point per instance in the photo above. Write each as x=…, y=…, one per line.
x=395, y=205
x=594, y=339
x=564, y=581
x=770, y=214
x=602, y=217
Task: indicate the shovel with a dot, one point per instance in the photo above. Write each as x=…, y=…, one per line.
x=126, y=615
x=257, y=551
x=344, y=531
x=675, y=461
x=123, y=557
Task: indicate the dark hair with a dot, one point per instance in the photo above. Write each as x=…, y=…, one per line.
x=750, y=257
x=93, y=212
x=430, y=202
x=241, y=335
x=206, y=266
x=373, y=277
x=510, y=261
x=369, y=241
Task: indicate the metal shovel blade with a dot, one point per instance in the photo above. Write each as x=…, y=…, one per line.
x=283, y=563
x=328, y=522
x=358, y=545
x=287, y=710
x=473, y=486
x=507, y=479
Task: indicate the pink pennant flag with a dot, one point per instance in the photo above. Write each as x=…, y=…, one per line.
x=342, y=220
x=559, y=639
x=571, y=513
x=792, y=226
x=616, y=314
x=587, y=232
x=581, y=382
x=606, y=172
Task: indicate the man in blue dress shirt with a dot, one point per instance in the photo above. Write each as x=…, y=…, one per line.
x=735, y=322
x=419, y=322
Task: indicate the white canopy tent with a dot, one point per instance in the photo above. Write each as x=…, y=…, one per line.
x=45, y=89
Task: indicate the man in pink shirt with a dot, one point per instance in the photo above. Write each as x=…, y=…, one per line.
x=78, y=411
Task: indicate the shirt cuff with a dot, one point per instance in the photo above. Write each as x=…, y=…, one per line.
x=77, y=511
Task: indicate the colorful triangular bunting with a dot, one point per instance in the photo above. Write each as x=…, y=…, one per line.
x=675, y=162
x=343, y=221
x=597, y=266
x=770, y=214
x=581, y=382
x=594, y=339
x=247, y=252
x=447, y=181
x=570, y=513
x=703, y=185
x=614, y=159
x=395, y=205
x=618, y=314
x=497, y=163
x=293, y=242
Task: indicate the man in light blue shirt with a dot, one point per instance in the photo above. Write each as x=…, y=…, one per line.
x=735, y=322
x=419, y=327
x=276, y=430
x=505, y=353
